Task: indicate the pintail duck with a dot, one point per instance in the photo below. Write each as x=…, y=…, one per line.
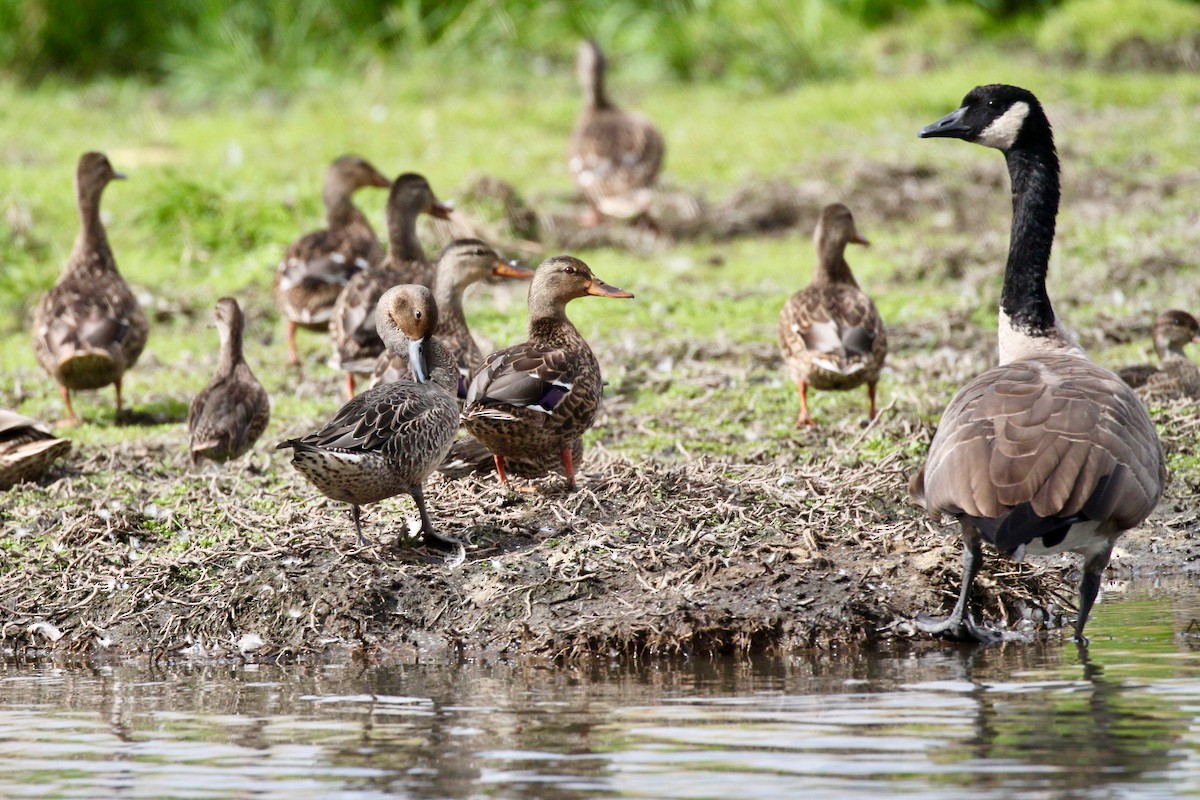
x=614, y=155
x=89, y=329
x=1177, y=376
x=27, y=448
x=461, y=263
x=830, y=333
x=387, y=440
x=533, y=401
x=318, y=265
x=1047, y=452
x=229, y=414
x=356, y=344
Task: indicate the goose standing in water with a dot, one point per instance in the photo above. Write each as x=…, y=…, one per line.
x=830, y=333
x=1048, y=451
x=318, y=265
x=89, y=328
x=1177, y=376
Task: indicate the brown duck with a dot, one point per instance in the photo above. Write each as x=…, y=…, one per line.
x=89, y=329
x=228, y=415
x=318, y=265
x=356, y=344
x=387, y=440
x=27, y=448
x=830, y=333
x=1047, y=452
x=461, y=263
x=614, y=155
x=1177, y=376
x=533, y=401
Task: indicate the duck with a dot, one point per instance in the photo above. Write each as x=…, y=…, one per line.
x=614, y=155
x=830, y=332
x=89, y=329
x=388, y=440
x=532, y=402
x=1047, y=452
x=27, y=448
x=356, y=344
x=1177, y=377
x=317, y=266
x=461, y=263
x=232, y=411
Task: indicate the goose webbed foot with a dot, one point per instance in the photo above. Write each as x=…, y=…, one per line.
x=957, y=628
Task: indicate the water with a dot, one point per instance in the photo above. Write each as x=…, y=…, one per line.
x=926, y=721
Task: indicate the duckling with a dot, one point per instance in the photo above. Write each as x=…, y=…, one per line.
x=1047, y=452
x=89, y=328
x=356, y=344
x=27, y=448
x=227, y=416
x=318, y=265
x=387, y=440
x=1177, y=376
x=830, y=333
x=534, y=401
x=461, y=263
x=614, y=155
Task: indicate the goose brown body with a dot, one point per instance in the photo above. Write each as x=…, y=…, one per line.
x=232, y=411
x=89, y=328
x=27, y=448
x=317, y=266
x=533, y=401
x=1176, y=376
x=830, y=333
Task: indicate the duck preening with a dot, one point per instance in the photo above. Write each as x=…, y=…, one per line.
x=1047, y=452
x=387, y=440
x=317, y=266
x=231, y=412
x=1175, y=376
x=89, y=328
x=27, y=448
x=533, y=401
x=614, y=155
x=356, y=343
x=830, y=334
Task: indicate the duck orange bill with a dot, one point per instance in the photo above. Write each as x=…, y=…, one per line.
x=601, y=289
x=858, y=238
x=441, y=210
x=511, y=269
x=380, y=180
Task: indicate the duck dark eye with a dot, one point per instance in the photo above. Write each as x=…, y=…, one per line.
x=570, y=271
x=417, y=314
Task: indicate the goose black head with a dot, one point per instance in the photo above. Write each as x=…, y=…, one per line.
x=1000, y=116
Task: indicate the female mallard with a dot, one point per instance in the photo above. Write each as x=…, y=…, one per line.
x=27, y=448
x=387, y=440
x=88, y=329
x=533, y=401
x=318, y=265
x=356, y=344
x=229, y=414
x=1177, y=376
x=614, y=155
x=830, y=333
x=462, y=263
x=1047, y=452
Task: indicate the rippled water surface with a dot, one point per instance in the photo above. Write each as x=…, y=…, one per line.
x=931, y=721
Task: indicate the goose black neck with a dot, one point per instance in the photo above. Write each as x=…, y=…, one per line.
x=1033, y=169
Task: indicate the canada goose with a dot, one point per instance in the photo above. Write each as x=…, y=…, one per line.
x=387, y=440
x=356, y=344
x=227, y=416
x=614, y=155
x=830, y=333
x=27, y=448
x=1046, y=452
x=534, y=401
x=1176, y=376
x=89, y=328
x=317, y=266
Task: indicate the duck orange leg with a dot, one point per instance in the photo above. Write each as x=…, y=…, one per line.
x=293, y=358
x=568, y=462
x=803, y=418
x=500, y=469
x=117, y=386
x=349, y=385
x=871, y=395
x=70, y=419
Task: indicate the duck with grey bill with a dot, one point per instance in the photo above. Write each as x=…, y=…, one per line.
x=1047, y=452
x=387, y=440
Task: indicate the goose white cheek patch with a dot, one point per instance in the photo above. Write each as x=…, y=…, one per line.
x=1002, y=133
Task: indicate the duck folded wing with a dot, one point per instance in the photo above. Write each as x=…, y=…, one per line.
x=847, y=330
x=1031, y=447
x=315, y=268
x=378, y=422
x=82, y=324
x=528, y=378
x=616, y=153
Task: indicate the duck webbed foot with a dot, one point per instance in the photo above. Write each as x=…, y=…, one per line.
x=957, y=628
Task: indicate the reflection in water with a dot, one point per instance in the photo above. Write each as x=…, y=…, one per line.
x=930, y=720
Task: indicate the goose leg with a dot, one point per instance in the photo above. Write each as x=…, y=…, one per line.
x=1089, y=587
x=428, y=535
x=70, y=419
x=293, y=358
x=871, y=395
x=349, y=385
x=356, y=514
x=803, y=419
x=568, y=462
x=500, y=469
x=959, y=626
